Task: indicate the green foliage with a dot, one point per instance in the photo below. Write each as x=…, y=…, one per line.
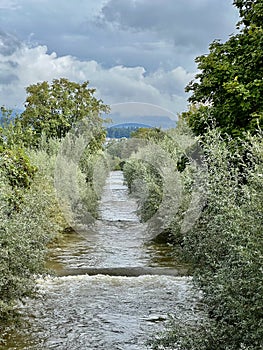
x=115, y=148
x=119, y=132
x=222, y=241
x=230, y=84
x=11, y=133
x=160, y=158
x=28, y=229
x=6, y=116
x=31, y=214
x=44, y=159
x=154, y=134
x=250, y=11
x=225, y=247
x=23, y=238
x=18, y=172
x=17, y=168
x=142, y=176
x=53, y=109
x=115, y=152
x=22, y=243
x=146, y=184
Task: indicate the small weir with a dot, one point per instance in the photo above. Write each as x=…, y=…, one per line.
x=112, y=289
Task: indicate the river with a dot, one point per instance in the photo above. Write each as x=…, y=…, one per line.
x=113, y=289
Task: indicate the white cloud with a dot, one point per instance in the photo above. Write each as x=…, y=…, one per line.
x=29, y=65
x=148, y=33
x=171, y=81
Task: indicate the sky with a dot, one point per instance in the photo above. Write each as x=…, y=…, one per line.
x=129, y=50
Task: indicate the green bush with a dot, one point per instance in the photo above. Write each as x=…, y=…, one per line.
x=18, y=173
x=30, y=210
x=146, y=184
x=155, y=171
x=25, y=230
x=23, y=239
x=225, y=246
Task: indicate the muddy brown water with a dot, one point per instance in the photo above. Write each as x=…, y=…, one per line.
x=113, y=289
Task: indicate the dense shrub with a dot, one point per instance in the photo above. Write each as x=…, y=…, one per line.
x=23, y=238
x=218, y=225
x=31, y=210
x=157, y=175
x=18, y=173
x=25, y=230
x=225, y=246
x=144, y=181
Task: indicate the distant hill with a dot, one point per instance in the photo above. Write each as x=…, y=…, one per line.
x=124, y=130
x=131, y=125
x=163, y=122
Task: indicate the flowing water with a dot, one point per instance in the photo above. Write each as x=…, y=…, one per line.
x=113, y=289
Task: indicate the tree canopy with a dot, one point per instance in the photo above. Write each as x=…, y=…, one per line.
x=229, y=84
x=250, y=11
x=149, y=134
x=53, y=108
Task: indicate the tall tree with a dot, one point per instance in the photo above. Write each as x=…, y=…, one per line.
x=54, y=108
x=229, y=87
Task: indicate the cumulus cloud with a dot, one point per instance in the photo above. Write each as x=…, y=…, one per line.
x=8, y=43
x=137, y=50
x=171, y=81
x=29, y=65
x=152, y=33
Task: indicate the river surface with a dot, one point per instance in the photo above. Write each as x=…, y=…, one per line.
x=113, y=289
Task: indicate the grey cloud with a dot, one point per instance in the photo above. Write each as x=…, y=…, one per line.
x=152, y=33
x=8, y=44
x=12, y=64
x=187, y=23
x=143, y=49
x=46, y=19
x=7, y=78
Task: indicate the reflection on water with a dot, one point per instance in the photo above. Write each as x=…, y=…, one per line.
x=103, y=311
